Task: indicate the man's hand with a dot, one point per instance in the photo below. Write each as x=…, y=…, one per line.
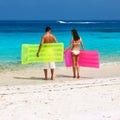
x=37, y=54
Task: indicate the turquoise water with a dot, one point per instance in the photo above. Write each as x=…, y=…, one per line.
x=103, y=36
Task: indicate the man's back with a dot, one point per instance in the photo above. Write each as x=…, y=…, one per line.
x=48, y=38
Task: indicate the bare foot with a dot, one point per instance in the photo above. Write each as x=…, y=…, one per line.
x=74, y=76
x=78, y=76
x=45, y=79
x=52, y=78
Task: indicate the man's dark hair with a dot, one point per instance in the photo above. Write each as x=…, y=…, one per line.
x=47, y=29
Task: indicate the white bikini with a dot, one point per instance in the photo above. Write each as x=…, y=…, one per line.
x=76, y=52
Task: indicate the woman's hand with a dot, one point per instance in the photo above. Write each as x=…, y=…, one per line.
x=65, y=50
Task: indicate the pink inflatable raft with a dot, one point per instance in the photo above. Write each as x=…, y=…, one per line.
x=87, y=58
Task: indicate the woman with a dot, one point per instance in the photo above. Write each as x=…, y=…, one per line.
x=75, y=52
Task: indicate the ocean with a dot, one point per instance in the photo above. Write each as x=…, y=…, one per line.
x=100, y=35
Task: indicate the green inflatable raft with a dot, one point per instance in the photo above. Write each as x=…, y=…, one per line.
x=50, y=52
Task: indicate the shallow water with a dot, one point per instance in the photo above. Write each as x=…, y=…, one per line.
x=103, y=36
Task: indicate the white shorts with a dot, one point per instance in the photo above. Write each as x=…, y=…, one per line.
x=48, y=65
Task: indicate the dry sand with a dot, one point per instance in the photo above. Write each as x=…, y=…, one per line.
x=24, y=95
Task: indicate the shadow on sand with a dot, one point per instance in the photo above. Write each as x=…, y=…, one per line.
x=69, y=76
x=31, y=78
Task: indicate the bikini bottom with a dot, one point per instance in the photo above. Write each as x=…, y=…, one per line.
x=76, y=52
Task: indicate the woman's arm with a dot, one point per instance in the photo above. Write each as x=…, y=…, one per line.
x=82, y=44
x=70, y=46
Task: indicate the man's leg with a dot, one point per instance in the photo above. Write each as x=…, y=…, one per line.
x=52, y=74
x=52, y=67
x=45, y=73
x=45, y=65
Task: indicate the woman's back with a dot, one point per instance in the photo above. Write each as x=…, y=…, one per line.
x=76, y=44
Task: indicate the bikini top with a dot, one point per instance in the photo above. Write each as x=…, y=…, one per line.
x=76, y=43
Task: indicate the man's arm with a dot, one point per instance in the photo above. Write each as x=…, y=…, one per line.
x=55, y=40
x=42, y=41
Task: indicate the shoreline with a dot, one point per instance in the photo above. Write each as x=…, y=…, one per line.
x=18, y=66
x=32, y=75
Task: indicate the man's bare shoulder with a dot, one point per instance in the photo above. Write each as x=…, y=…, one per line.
x=52, y=35
x=47, y=35
x=48, y=38
x=44, y=36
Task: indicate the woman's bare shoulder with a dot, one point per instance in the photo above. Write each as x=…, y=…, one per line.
x=71, y=40
x=80, y=40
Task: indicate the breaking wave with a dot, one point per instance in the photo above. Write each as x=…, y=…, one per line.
x=78, y=22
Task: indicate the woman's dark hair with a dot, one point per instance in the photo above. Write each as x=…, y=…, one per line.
x=47, y=29
x=75, y=35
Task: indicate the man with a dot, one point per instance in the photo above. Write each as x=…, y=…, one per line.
x=47, y=38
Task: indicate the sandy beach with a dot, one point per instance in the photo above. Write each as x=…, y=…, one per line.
x=95, y=96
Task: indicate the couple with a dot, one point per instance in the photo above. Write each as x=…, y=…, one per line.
x=75, y=52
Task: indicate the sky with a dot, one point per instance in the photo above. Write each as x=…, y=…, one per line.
x=59, y=9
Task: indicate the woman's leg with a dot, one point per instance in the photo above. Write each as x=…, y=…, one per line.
x=77, y=66
x=74, y=67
